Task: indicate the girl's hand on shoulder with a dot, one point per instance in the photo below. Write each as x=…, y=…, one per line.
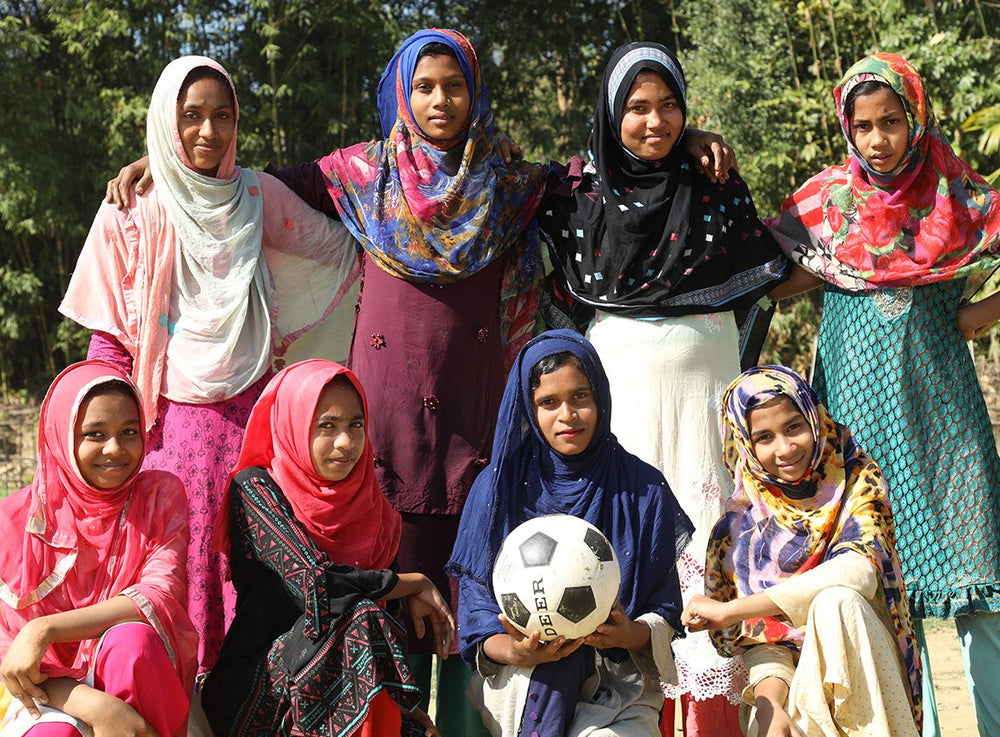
x=711, y=153
x=21, y=666
x=119, y=189
x=506, y=148
x=526, y=651
x=619, y=631
x=703, y=613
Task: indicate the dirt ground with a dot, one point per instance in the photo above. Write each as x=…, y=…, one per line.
x=954, y=705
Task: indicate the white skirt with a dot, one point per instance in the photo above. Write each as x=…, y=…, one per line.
x=667, y=379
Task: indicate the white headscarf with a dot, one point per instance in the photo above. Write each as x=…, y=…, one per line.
x=220, y=327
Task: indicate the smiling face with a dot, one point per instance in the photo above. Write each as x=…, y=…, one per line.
x=781, y=439
x=107, y=439
x=653, y=120
x=337, y=434
x=565, y=409
x=440, y=98
x=206, y=122
x=879, y=128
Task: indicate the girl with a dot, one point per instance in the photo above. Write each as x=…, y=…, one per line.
x=802, y=576
x=893, y=232
x=664, y=256
x=554, y=453
x=448, y=293
x=311, y=539
x=193, y=290
x=93, y=632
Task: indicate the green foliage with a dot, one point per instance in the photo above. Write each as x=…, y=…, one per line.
x=76, y=78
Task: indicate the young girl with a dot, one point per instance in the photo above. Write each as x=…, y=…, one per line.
x=193, y=290
x=802, y=577
x=93, y=632
x=664, y=256
x=448, y=293
x=311, y=539
x=893, y=233
x=554, y=453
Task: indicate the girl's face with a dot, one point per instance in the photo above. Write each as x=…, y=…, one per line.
x=565, y=409
x=440, y=98
x=879, y=129
x=107, y=440
x=781, y=439
x=337, y=434
x=206, y=123
x=653, y=120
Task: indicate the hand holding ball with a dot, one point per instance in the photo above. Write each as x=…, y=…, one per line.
x=557, y=575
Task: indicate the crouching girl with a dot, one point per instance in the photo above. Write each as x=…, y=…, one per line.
x=802, y=576
x=311, y=540
x=554, y=453
x=93, y=631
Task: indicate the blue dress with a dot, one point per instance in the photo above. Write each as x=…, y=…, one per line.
x=892, y=365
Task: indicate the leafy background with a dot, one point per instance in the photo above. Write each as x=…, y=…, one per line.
x=76, y=76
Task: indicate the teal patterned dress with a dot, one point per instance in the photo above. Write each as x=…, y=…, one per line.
x=892, y=366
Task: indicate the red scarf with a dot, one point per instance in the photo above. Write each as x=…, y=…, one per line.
x=350, y=520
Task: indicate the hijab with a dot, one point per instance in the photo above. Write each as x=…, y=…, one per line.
x=199, y=311
x=435, y=211
x=655, y=238
x=624, y=497
x=931, y=219
x=772, y=529
x=350, y=520
x=68, y=544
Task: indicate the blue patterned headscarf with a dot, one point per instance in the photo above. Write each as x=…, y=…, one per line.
x=435, y=211
x=624, y=497
x=394, y=88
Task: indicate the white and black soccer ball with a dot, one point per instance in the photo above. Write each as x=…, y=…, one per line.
x=557, y=575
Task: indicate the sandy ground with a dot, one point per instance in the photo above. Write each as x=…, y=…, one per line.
x=950, y=689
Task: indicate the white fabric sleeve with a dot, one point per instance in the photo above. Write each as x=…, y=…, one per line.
x=656, y=660
x=794, y=594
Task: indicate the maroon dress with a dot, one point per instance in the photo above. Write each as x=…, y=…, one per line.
x=431, y=359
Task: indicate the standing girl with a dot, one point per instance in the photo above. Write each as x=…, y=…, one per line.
x=664, y=255
x=893, y=232
x=93, y=632
x=182, y=292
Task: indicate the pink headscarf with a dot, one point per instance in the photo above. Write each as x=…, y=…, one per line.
x=350, y=520
x=68, y=544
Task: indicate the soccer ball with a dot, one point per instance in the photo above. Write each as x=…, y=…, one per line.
x=557, y=575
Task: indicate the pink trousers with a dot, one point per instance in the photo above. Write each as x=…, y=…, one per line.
x=133, y=665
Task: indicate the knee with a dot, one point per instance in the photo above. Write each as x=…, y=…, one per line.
x=838, y=604
x=132, y=642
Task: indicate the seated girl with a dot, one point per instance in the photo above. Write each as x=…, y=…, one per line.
x=93, y=631
x=802, y=576
x=554, y=453
x=311, y=539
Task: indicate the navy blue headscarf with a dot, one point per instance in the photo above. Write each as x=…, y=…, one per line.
x=624, y=497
